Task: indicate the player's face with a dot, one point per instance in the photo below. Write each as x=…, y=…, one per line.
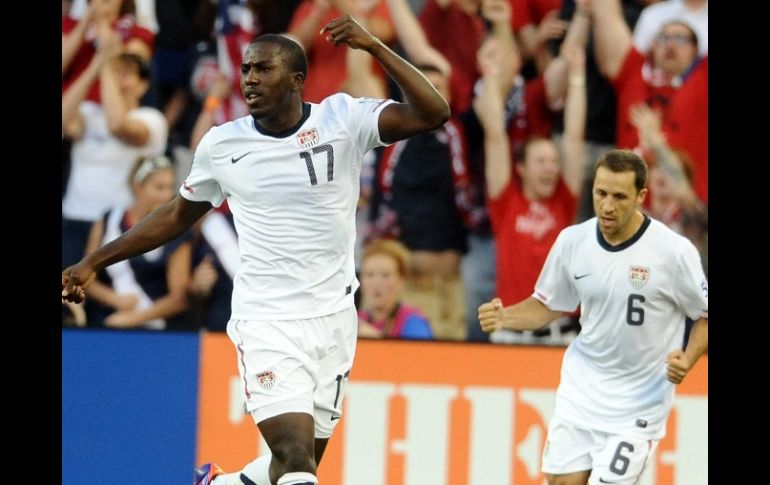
x=381, y=283
x=156, y=189
x=266, y=82
x=540, y=171
x=674, y=50
x=615, y=202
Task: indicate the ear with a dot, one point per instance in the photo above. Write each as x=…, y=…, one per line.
x=298, y=80
x=641, y=196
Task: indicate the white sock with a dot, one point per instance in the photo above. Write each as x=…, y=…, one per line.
x=258, y=471
x=228, y=479
x=298, y=478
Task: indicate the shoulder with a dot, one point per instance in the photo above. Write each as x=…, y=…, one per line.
x=229, y=129
x=667, y=239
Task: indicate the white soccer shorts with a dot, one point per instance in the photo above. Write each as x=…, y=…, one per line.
x=296, y=365
x=613, y=459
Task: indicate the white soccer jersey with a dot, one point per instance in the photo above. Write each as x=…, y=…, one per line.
x=293, y=197
x=633, y=300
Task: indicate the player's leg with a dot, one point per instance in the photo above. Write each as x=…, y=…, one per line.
x=567, y=453
x=333, y=373
x=278, y=367
x=290, y=439
x=621, y=460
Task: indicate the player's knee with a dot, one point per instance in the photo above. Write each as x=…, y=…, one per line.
x=291, y=455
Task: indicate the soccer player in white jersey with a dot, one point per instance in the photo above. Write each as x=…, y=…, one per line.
x=290, y=173
x=635, y=281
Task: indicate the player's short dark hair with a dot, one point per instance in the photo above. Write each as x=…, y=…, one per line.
x=293, y=53
x=625, y=161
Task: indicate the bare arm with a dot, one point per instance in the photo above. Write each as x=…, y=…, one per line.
x=529, y=314
x=99, y=291
x=71, y=42
x=488, y=106
x=680, y=362
x=413, y=39
x=131, y=131
x=577, y=35
x=424, y=110
x=162, y=225
x=612, y=37
x=574, y=119
x=175, y=301
x=71, y=121
x=305, y=31
x=508, y=60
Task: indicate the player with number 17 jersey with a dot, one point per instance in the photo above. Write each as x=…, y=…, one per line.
x=634, y=298
x=291, y=193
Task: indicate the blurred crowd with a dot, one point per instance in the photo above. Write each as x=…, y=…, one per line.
x=447, y=220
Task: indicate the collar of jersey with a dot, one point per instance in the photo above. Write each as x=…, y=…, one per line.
x=628, y=242
x=287, y=132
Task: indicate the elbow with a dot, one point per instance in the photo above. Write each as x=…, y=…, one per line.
x=440, y=116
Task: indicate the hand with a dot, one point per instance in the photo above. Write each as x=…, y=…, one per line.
x=366, y=329
x=489, y=57
x=648, y=124
x=123, y=319
x=221, y=87
x=496, y=11
x=551, y=27
x=491, y=315
x=125, y=301
x=347, y=30
x=204, y=277
x=678, y=366
x=74, y=282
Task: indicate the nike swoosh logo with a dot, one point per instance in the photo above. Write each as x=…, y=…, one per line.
x=336, y=417
x=601, y=480
x=582, y=276
x=233, y=159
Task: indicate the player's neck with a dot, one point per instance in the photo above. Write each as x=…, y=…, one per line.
x=627, y=232
x=283, y=119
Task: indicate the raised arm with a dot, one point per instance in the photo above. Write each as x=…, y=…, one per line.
x=612, y=36
x=162, y=225
x=577, y=36
x=529, y=314
x=488, y=106
x=575, y=109
x=413, y=39
x=424, y=110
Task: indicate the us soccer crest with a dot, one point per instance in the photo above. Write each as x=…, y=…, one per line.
x=266, y=379
x=638, y=276
x=308, y=138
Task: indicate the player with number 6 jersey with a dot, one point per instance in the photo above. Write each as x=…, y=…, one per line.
x=636, y=281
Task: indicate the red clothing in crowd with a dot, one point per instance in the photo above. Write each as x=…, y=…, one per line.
x=326, y=63
x=684, y=108
x=128, y=29
x=525, y=231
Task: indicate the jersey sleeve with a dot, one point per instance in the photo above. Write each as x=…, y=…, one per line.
x=200, y=184
x=362, y=117
x=554, y=287
x=691, y=290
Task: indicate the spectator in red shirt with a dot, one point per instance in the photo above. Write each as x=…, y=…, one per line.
x=79, y=38
x=672, y=80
